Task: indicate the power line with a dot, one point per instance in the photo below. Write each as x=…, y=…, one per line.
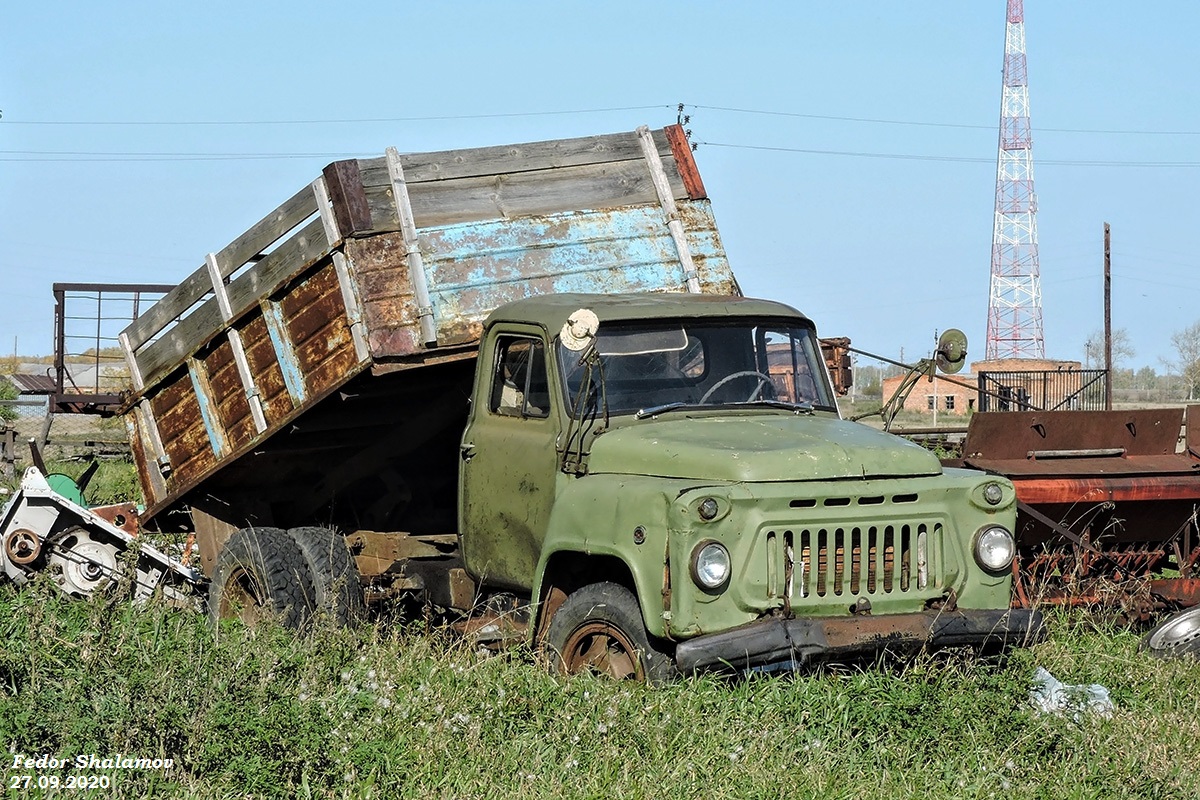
x=363, y=121
x=951, y=159
x=918, y=123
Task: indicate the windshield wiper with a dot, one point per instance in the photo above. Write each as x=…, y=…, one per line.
x=653, y=411
x=799, y=408
x=656, y=410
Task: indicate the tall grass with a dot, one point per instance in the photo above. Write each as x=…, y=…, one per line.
x=399, y=710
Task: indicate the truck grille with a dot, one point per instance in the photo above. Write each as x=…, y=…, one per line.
x=825, y=562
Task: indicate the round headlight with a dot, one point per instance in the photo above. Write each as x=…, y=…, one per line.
x=708, y=508
x=993, y=493
x=710, y=565
x=994, y=548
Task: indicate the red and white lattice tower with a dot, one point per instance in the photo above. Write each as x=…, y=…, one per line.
x=1014, y=328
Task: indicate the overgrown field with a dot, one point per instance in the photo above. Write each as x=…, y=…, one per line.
x=396, y=710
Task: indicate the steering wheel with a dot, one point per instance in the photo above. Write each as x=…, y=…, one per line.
x=764, y=380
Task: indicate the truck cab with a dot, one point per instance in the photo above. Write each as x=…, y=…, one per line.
x=669, y=477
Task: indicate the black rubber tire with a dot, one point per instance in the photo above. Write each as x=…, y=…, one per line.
x=605, y=616
x=335, y=576
x=261, y=572
x=1177, y=635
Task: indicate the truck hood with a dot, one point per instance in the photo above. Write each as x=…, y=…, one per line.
x=766, y=447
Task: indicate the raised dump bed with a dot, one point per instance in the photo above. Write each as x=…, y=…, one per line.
x=276, y=382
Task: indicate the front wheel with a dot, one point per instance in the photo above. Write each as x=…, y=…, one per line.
x=599, y=629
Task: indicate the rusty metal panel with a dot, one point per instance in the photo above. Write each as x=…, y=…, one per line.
x=268, y=377
x=229, y=396
x=1036, y=443
x=314, y=316
x=181, y=426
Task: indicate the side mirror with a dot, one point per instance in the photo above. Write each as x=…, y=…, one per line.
x=951, y=352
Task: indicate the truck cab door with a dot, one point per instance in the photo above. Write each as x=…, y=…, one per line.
x=508, y=468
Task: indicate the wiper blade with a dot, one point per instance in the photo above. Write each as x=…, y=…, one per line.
x=799, y=408
x=656, y=410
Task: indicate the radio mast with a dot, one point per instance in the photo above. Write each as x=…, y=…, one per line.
x=1014, y=328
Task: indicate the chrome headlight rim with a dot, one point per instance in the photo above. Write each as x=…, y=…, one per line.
x=993, y=493
x=982, y=540
x=702, y=576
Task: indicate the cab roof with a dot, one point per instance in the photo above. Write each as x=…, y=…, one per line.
x=552, y=310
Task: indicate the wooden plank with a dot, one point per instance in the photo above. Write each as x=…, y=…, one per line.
x=218, y=285
x=662, y=187
x=595, y=186
x=231, y=258
x=206, y=401
x=247, y=380
x=159, y=358
x=267, y=231
x=412, y=247
x=681, y=149
x=135, y=374
x=260, y=354
x=350, y=299
x=173, y=303
x=344, y=182
x=229, y=395
x=325, y=210
x=509, y=159
x=297, y=253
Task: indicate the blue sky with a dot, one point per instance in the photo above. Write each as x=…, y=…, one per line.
x=125, y=129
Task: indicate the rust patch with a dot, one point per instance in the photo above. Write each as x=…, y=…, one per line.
x=122, y=515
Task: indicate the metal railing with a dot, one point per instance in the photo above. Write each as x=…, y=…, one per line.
x=1043, y=390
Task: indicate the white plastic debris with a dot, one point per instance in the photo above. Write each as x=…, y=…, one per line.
x=1051, y=696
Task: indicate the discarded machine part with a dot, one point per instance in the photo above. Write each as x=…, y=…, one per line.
x=1108, y=500
x=1178, y=635
x=22, y=547
x=81, y=562
x=42, y=530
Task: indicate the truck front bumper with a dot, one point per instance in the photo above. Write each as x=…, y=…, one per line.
x=792, y=643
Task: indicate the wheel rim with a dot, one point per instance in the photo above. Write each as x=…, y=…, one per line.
x=1180, y=631
x=241, y=597
x=603, y=649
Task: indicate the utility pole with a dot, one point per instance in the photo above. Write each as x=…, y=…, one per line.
x=1108, y=366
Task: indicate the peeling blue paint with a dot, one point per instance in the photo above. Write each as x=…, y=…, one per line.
x=208, y=411
x=285, y=354
x=471, y=268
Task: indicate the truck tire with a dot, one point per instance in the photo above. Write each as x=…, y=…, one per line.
x=599, y=629
x=1177, y=635
x=260, y=573
x=338, y=593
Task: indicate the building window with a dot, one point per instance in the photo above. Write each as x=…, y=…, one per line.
x=931, y=401
x=949, y=402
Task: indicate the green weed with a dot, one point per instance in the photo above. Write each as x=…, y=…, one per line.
x=406, y=711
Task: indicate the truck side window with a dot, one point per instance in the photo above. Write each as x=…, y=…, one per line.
x=519, y=385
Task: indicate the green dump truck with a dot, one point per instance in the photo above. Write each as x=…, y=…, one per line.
x=521, y=384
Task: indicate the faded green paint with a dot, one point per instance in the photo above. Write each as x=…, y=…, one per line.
x=777, y=474
x=758, y=445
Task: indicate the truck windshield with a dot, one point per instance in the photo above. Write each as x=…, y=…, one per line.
x=704, y=363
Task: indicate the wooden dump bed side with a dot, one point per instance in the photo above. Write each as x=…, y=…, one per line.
x=390, y=263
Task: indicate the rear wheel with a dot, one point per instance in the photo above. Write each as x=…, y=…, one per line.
x=261, y=572
x=599, y=629
x=1177, y=635
x=335, y=578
